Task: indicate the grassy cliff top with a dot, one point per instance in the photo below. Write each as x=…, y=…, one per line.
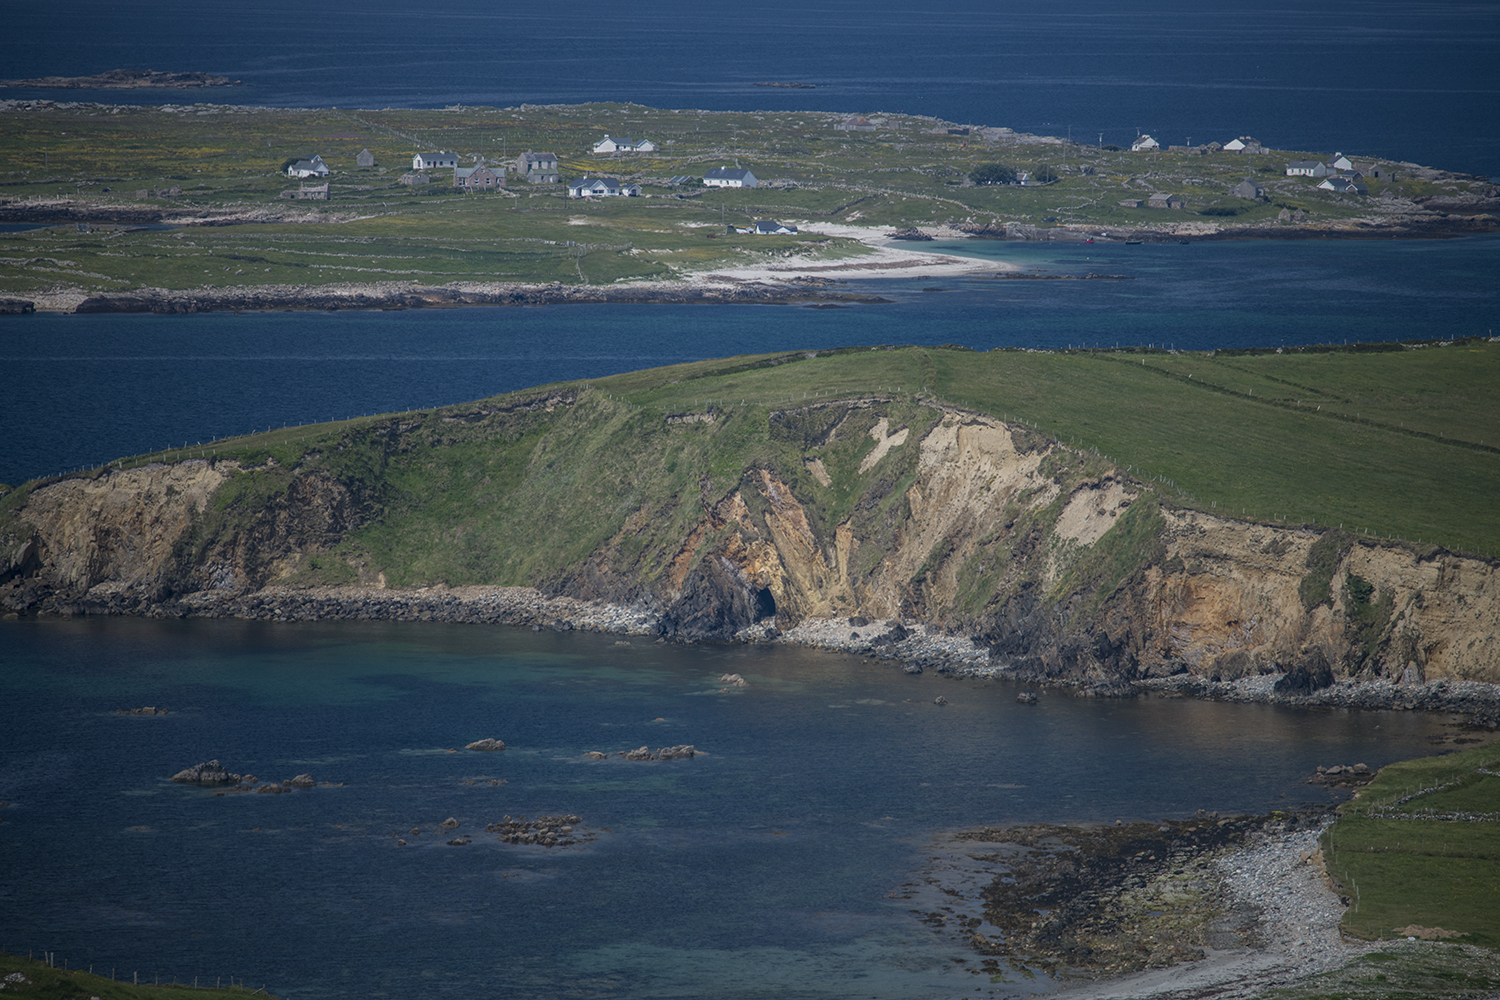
x=66, y=163
x=1388, y=440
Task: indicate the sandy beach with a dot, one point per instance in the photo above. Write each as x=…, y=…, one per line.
x=888, y=258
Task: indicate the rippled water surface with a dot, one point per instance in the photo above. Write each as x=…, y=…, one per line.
x=758, y=870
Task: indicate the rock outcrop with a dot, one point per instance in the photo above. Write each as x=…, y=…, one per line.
x=208, y=773
x=488, y=743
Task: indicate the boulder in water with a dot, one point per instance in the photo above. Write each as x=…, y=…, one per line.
x=486, y=744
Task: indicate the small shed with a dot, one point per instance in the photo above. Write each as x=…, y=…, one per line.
x=1131, y=203
x=1160, y=200
x=364, y=158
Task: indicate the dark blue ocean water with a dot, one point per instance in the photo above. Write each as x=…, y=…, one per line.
x=82, y=390
x=760, y=870
x=1413, y=80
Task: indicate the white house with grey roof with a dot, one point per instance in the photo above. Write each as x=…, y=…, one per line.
x=434, y=161
x=729, y=177
x=314, y=167
x=594, y=187
x=1307, y=168
x=624, y=144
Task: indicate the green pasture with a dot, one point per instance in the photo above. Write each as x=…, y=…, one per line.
x=1420, y=845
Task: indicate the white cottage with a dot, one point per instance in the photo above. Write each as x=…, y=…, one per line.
x=1144, y=144
x=434, y=161
x=314, y=167
x=729, y=177
x=594, y=187
x=623, y=144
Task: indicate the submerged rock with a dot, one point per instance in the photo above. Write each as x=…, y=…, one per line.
x=302, y=781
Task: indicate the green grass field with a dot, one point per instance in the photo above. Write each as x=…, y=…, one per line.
x=1421, y=846
x=227, y=162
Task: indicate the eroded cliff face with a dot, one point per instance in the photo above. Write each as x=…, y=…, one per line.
x=127, y=540
x=1065, y=567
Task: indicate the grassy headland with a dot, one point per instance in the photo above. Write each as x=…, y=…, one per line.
x=218, y=170
x=40, y=981
x=1393, y=441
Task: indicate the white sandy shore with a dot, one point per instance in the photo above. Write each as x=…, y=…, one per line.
x=888, y=259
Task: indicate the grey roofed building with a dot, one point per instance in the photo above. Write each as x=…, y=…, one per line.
x=364, y=158
x=594, y=187
x=478, y=178
x=314, y=167
x=434, y=161
x=538, y=168
x=729, y=177
x=1247, y=188
x=1160, y=200
x=1342, y=185
x=1307, y=168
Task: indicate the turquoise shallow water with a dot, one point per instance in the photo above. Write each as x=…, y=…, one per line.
x=758, y=870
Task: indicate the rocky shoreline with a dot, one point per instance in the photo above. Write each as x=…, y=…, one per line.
x=911, y=646
x=405, y=295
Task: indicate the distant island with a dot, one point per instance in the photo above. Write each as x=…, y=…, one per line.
x=193, y=206
x=127, y=79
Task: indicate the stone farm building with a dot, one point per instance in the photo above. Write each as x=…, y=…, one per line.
x=1164, y=201
x=308, y=192
x=1248, y=189
x=538, y=168
x=478, y=178
x=434, y=161
x=364, y=158
x=729, y=177
x=415, y=178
